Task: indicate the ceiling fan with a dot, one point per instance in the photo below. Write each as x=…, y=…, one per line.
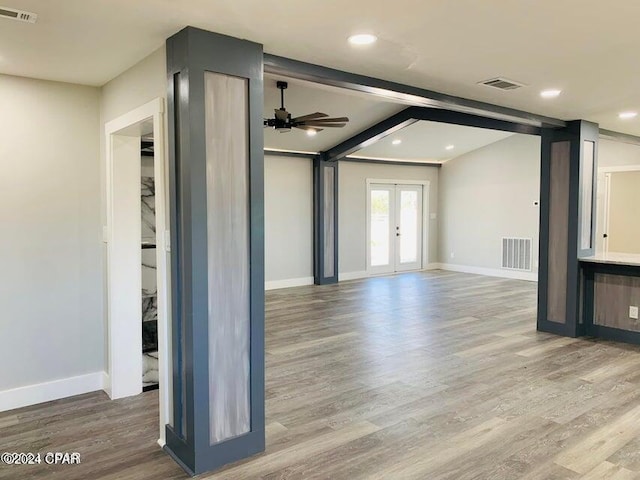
x=314, y=122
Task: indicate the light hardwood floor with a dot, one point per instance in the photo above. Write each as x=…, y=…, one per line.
x=433, y=375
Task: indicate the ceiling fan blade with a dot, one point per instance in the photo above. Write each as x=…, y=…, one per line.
x=311, y=116
x=331, y=120
x=281, y=114
x=323, y=125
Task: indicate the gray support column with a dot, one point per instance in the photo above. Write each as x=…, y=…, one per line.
x=325, y=221
x=215, y=102
x=567, y=223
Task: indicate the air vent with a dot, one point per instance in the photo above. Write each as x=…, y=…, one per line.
x=19, y=15
x=516, y=253
x=502, y=83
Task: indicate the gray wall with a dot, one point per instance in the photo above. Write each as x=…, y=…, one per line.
x=51, y=282
x=487, y=194
x=288, y=205
x=352, y=206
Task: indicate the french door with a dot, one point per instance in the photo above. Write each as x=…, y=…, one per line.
x=394, y=228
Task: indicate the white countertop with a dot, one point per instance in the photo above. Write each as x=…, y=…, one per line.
x=614, y=258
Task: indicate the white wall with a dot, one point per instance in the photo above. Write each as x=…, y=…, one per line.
x=352, y=210
x=611, y=154
x=51, y=316
x=140, y=84
x=133, y=88
x=288, y=211
x=485, y=195
x=617, y=154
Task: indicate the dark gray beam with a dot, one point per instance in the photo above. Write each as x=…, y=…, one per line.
x=619, y=137
x=287, y=153
x=411, y=115
x=370, y=136
x=398, y=92
x=390, y=162
x=469, y=120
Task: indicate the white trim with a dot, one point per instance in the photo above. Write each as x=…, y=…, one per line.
x=431, y=266
x=154, y=111
x=288, y=283
x=351, y=276
x=606, y=211
x=48, y=391
x=622, y=168
x=490, y=272
x=426, y=219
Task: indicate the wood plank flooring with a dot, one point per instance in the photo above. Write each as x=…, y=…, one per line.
x=431, y=375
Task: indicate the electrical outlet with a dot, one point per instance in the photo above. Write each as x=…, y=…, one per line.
x=453, y=255
x=633, y=312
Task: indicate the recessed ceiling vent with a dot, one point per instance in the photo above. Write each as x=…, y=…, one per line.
x=20, y=15
x=502, y=83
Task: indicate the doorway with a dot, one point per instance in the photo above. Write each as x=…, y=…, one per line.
x=137, y=254
x=619, y=231
x=395, y=227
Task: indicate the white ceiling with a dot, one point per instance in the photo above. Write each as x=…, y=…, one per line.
x=421, y=141
x=426, y=141
x=303, y=97
x=587, y=48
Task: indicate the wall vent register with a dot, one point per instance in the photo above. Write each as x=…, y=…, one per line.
x=502, y=83
x=20, y=15
x=516, y=253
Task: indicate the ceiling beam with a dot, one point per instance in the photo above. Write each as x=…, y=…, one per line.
x=391, y=162
x=411, y=115
x=400, y=93
x=619, y=137
x=370, y=136
x=289, y=153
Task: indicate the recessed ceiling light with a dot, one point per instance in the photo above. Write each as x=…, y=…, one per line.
x=397, y=141
x=311, y=133
x=627, y=115
x=551, y=93
x=362, y=39
x=449, y=147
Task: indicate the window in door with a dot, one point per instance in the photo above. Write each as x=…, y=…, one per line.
x=394, y=234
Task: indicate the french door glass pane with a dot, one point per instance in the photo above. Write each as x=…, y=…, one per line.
x=380, y=210
x=408, y=226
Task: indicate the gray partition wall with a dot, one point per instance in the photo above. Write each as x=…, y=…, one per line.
x=325, y=207
x=216, y=188
x=567, y=222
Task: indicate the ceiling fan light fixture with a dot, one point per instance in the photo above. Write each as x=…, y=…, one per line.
x=362, y=39
x=312, y=123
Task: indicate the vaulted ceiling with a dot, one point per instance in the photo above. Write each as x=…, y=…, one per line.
x=586, y=48
x=422, y=141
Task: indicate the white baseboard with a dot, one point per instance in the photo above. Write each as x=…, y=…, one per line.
x=432, y=266
x=288, y=283
x=45, y=392
x=351, y=276
x=490, y=272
